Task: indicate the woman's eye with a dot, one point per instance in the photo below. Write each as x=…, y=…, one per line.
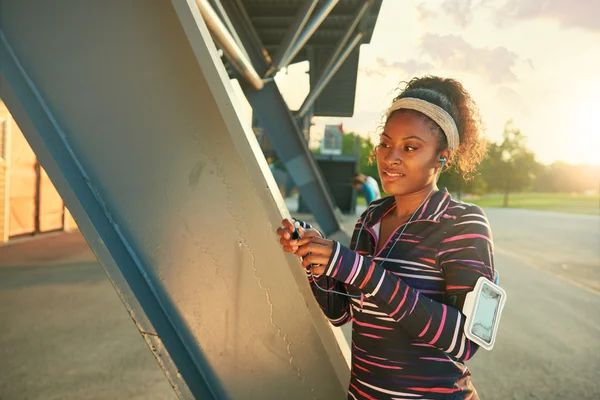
x=410, y=148
x=384, y=145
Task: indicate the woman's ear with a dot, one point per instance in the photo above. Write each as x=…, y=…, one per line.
x=445, y=160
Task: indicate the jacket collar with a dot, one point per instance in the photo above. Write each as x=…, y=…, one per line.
x=432, y=210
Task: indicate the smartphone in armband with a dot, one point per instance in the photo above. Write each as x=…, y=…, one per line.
x=483, y=307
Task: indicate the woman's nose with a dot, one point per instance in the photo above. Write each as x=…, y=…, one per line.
x=394, y=156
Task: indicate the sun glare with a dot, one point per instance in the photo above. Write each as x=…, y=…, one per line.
x=585, y=128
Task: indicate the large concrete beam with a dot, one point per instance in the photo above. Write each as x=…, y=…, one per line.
x=130, y=111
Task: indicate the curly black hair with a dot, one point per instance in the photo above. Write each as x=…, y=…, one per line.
x=450, y=95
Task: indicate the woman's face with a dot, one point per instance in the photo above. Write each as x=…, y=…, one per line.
x=407, y=155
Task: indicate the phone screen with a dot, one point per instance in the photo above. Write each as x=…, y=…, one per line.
x=485, y=315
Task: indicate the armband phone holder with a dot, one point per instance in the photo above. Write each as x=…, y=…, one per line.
x=483, y=307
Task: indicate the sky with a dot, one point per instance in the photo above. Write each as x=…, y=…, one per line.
x=536, y=62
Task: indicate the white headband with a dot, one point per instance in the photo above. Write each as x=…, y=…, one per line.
x=436, y=113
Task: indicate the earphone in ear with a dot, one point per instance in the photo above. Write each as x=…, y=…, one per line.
x=443, y=161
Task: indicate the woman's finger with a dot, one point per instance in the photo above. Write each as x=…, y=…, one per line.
x=287, y=242
x=288, y=224
x=314, y=259
x=313, y=248
x=284, y=233
x=317, y=269
x=309, y=233
x=317, y=240
x=290, y=249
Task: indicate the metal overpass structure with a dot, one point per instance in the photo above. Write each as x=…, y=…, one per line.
x=130, y=110
x=260, y=37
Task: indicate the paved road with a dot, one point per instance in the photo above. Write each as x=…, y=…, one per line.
x=567, y=245
x=65, y=334
x=549, y=340
x=64, y=331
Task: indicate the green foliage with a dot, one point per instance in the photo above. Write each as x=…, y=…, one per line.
x=566, y=178
x=454, y=182
x=516, y=166
x=509, y=167
x=365, y=150
x=349, y=144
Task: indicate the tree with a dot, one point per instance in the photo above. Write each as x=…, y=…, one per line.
x=455, y=183
x=365, y=151
x=562, y=177
x=510, y=165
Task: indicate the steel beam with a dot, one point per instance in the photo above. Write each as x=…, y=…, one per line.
x=286, y=137
x=139, y=130
x=328, y=74
x=232, y=51
x=218, y=7
x=236, y=11
x=292, y=35
x=336, y=56
x=308, y=31
x=348, y=34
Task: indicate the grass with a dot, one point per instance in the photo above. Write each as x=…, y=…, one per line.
x=360, y=201
x=560, y=202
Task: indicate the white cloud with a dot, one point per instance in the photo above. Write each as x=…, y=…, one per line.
x=584, y=14
x=403, y=68
x=569, y=14
x=424, y=13
x=452, y=52
x=461, y=11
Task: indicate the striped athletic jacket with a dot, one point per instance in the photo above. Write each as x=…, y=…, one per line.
x=407, y=331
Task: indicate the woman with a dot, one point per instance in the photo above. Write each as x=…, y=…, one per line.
x=415, y=254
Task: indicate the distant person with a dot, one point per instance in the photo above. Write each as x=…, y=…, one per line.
x=414, y=255
x=375, y=185
x=369, y=180
x=369, y=190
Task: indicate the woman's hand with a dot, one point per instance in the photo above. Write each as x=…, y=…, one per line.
x=287, y=230
x=316, y=253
